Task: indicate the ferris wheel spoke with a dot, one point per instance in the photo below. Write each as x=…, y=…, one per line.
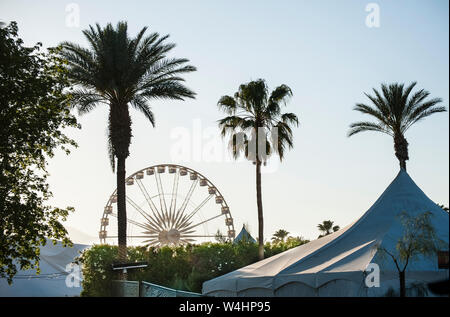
x=148, y=217
x=150, y=238
x=180, y=211
x=147, y=196
x=160, y=220
x=136, y=237
x=200, y=223
x=151, y=228
x=199, y=236
x=130, y=221
x=187, y=241
x=184, y=232
x=152, y=223
x=156, y=214
x=160, y=188
x=173, y=202
x=131, y=237
x=151, y=242
x=196, y=209
x=151, y=232
x=182, y=222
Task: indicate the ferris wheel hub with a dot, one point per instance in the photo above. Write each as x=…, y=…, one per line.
x=169, y=237
x=174, y=236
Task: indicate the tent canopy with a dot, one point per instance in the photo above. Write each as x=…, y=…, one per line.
x=52, y=279
x=244, y=236
x=335, y=265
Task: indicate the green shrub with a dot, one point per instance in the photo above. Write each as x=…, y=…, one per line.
x=183, y=267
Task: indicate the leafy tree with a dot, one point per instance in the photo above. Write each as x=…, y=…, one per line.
x=34, y=110
x=119, y=72
x=326, y=226
x=418, y=239
x=279, y=235
x=395, y=112
x=258, y=129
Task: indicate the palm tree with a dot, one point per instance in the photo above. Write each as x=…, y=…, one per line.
x=395, y=112
x=119, y=71
x=326, y=226
x=258, y=129
x=280, y=235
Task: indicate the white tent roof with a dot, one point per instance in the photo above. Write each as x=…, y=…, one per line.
x=52, y=279
x=334, y=265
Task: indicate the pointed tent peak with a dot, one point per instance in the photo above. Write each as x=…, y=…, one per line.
x=404, y=186
x=402, y=172
x=402, y=195
x=408, y=186
x=244, y=236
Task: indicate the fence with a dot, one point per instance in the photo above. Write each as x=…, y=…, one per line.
x=145, y=289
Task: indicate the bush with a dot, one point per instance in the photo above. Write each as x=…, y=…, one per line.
x=183, y=267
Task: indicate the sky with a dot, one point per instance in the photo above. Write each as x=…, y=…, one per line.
x=324, y=51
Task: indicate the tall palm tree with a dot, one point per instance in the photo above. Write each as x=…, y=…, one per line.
x=395, y=112
x=280, y=235
x=119, y=71
x=326, y=226
x=258, y=129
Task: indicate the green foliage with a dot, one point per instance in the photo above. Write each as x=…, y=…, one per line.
x=121, y=71
x=34, y=110
x=183, y=267
x=395, y=109
x=279, y=235
x=326, y=226
x=418, y=239
x=97, y=273
x=274, y=248
x=254, y=119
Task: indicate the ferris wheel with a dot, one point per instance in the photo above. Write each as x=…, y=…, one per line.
x=171, y=205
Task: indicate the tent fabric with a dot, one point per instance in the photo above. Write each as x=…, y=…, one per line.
x=335, y=265
x=244, y=236
x=52, y=279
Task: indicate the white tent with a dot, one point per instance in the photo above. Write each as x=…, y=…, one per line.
x=335, y=264
x=52, y=279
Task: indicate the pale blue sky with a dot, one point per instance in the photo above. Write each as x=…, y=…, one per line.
x=321, y=49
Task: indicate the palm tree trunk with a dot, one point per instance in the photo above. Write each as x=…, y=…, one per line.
x=401, y=149
x=120, y=137
x=260, y=211
x=121, y=210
